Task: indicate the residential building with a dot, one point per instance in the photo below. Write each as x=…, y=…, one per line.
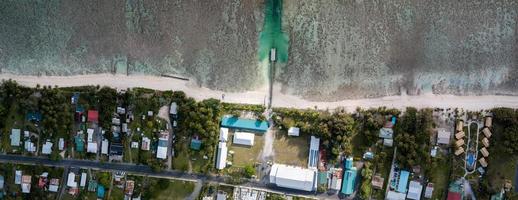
x=391, y=195
x=93, y=116
x=244, y=138
x=18, y=177
x=92, y=147
x=130, y=185
x=428, y=191
x=104, y=146
x=482, y=162
x=195, y=143
x=221, y=160
x=61, y=144
x=26, y=184
x=29, y=146
x=335, y=182
x=15, y=137
x=388, y=142
x=486, y=132
x=145, y=144
x=47, y=148
x=54, y=185
x=82, y=182
x=459, y=151
x=116, y=151
x=2, y=181
x=134, y=145
x=484, y=152
x=459, y=143
x=314, y=146
x=443, y=136
x=173, y=109
x=485, y=142
x=460, y=126
x=414, y=190
x=161, y=151
x=293, y=177
x=386, y=133
x=488, y=122
x=350, y=176
x=294, y=131
x=460, y=135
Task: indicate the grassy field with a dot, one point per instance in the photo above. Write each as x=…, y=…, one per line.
x=177, y=190
x=291, y=150
x=440, y=176
x=244, y=155
x=116, y=193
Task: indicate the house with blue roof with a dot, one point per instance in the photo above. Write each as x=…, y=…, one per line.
x=349, y=177
x=257, y=126
x=100, y=191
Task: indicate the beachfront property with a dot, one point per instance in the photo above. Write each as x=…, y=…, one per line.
x=293, y=177
x=443, y=137
x=248, y=125
x=314, y=146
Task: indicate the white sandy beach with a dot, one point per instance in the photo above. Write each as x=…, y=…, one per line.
x=259, y=96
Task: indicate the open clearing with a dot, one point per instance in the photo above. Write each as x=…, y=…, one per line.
x=244, y=155
x=177, y=190
x=291, y=150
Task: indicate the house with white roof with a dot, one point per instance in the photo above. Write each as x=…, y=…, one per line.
x=293, y=177
x=223, y=134
x=161, y=151
x=47, y=148
x=15, y=137
x=293, y=131
x=61, y=144
x=221, y=160
x=71, y=181
x=244, y=138
x=414, y=190
x=104, y=146
x=314, y=146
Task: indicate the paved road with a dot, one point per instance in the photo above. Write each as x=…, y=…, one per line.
x=146, y=171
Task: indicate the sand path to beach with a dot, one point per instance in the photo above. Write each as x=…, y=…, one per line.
x=259, y=96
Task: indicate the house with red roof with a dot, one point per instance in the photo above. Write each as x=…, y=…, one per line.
x=93, y=116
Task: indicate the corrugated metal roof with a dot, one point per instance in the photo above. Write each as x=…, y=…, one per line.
x=246, y=124
x=293, y=177
x=403, y=181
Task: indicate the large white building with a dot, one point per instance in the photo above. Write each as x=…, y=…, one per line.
x=443, y=136
x=221, y=160
x=314, y=145
x=293, y=177
x=244, y=138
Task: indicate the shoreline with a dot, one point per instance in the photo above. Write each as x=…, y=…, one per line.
x=259, y=96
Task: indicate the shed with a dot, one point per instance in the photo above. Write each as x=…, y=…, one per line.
x=414, y=190
x=485, y=142
x=244, y=138
x=221, y=160
x=294, y=131
x=314, y=146
x=244, y=124
x=15, y=137
x=460, y=135
x=403, y=181
x=93, y=116
x=61, y=144
x=486, y=132
x=482, y=162
x=388, y=142
x=223, y=134
x=443, y=136
x=484, y=152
